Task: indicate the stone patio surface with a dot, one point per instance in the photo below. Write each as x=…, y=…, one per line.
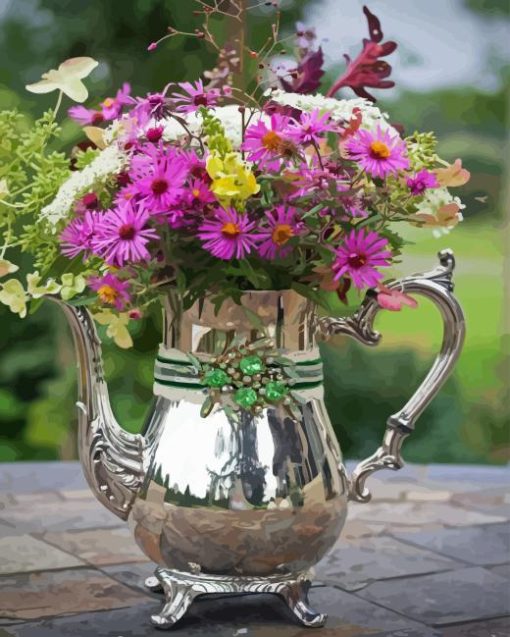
x=429, y=556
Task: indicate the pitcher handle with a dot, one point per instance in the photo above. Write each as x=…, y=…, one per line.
x=436, y=285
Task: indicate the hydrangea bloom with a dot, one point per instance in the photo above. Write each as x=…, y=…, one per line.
x=359, y=256
x=379, y=154
x=228, y=234
x=122, y=235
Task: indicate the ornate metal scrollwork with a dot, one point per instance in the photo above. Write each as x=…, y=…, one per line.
x=438, y=286
x=110, y=456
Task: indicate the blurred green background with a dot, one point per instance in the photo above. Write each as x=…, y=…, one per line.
x=452, y=76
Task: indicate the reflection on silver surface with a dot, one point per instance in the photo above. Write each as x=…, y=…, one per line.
x=237, y=502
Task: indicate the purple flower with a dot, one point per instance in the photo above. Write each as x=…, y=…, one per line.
x=359, y=256
x=379, y=154
x=158, y=177
x=122, y=235
x=422, y=180
x=310, y=127
x=85, y=116
x=282, y=226
x=78, y=236
x=155, y=106
x=228, y=235
x=265, y=143
x=112, y=106
x=195, y=96
x=110, y=290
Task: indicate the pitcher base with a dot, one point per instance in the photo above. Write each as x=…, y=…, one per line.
x=180, y=589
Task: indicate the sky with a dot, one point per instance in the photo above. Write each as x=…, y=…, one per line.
x=441, y=43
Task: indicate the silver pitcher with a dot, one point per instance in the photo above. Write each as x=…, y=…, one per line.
x=235, y=502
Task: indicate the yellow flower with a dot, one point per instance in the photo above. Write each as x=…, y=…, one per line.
x=68, y=79
x=14, y=296
x=117, y=327
x=231, y=178
x=71, y=286
x=36, y=291
x=6, y=267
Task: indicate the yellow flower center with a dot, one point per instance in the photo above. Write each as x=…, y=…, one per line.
x=108, y=102
x=379, y=150
x=107, y=294
x=282, y=233
x=196, y=193
x=271, y=141
x=230, y=230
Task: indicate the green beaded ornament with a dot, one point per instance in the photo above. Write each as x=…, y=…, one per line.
x=216, y=378
x=245, y=397
x=251, y=365
x=275, y=391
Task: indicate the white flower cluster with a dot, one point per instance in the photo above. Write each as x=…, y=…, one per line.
x=431, y=204
x=110, y=161
x=340, y=110
x=229, y=116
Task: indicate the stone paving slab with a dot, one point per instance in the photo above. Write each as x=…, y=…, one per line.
x=97, y=547
x=253, y=616
x=421, y=514
x=480, y=545
x=23, y=553
x=58, y=516
x=444, y=598
x=34, y=477
x=400, y=568
x=353, y=564
x=491, y=628
x=38, y=595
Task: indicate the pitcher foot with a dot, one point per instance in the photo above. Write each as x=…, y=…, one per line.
x=180, y=589
x=179, y=594
x=295, y=595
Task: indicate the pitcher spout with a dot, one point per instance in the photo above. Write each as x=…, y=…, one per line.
x=110, y=456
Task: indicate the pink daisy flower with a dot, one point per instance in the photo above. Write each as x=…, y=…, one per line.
x=85, y=116
x=200, y=193
x=112, y=106
x=155, y=106
x=379, y=154
x=265, y=143
x=158, y=178
x=195, y=96
x=310, y=127
x=122, y=235
x=282, y=227
x=110, y=290
x=78, y=236
x=359, y=256
x=228, y=235
x=422, y=180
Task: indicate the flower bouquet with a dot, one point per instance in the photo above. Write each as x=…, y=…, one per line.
x=240, y=206
x=219, y=186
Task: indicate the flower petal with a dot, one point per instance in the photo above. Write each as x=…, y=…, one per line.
x=43, y=86
x=74, y=88
x=78, y=67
